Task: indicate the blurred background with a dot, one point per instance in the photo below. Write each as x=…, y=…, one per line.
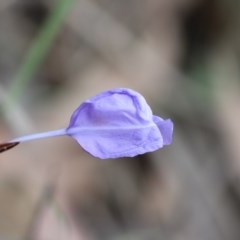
x=183, y=56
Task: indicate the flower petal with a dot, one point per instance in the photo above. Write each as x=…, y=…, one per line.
x=117, y=123
x=166, y=129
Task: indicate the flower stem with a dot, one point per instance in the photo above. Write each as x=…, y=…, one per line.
x=36, y=136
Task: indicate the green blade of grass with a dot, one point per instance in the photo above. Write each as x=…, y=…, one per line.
x=38, y=51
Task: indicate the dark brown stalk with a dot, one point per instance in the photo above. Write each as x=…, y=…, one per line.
x=6, y=146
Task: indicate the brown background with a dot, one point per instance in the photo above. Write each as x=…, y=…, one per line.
x=183, y=56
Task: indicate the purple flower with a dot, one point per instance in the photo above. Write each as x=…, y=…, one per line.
x=115, y=123
x=118, y=123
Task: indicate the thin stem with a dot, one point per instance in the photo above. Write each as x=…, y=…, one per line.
x=36, y=136
x=73, y=131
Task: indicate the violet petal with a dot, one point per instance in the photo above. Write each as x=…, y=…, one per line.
x=118, y=123
x=166, y=129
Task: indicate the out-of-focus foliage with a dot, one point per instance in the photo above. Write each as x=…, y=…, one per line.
x=183, y=56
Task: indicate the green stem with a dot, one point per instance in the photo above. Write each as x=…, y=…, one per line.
x=38, y=51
